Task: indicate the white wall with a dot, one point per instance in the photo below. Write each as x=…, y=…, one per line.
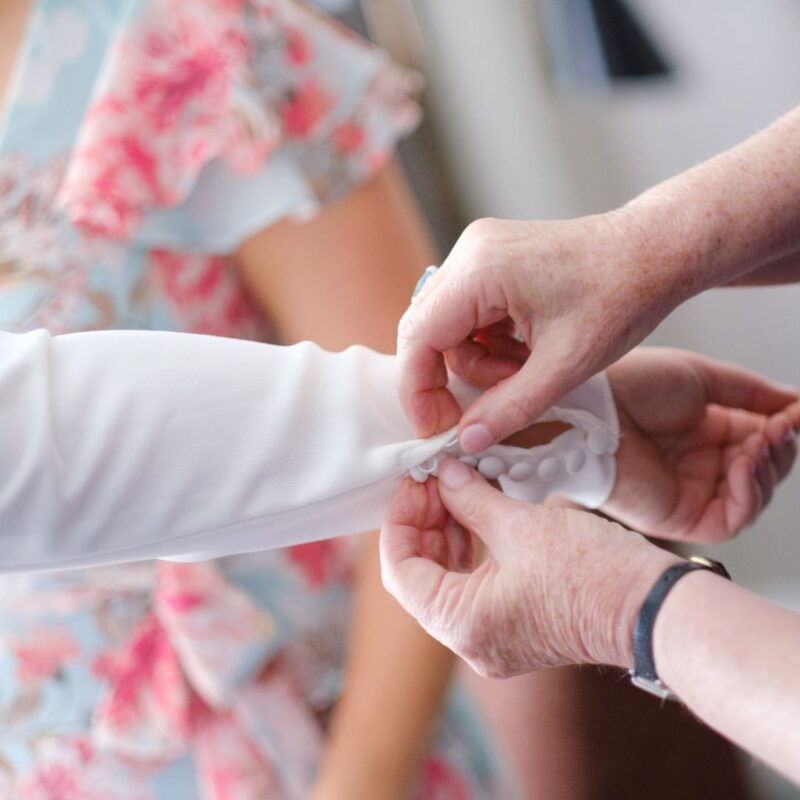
x=516, y=150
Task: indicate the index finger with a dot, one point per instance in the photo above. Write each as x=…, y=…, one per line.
x=443, y=317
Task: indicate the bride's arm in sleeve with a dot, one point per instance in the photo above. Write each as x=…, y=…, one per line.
x=127, y=445
x=347, y=277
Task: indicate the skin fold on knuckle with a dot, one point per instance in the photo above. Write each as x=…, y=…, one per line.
x=481, y=650
x=480, y=235
x=471, y=504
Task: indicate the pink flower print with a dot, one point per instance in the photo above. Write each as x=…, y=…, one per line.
x=166, y=112
x=149, y=711
x=183, y=602
x=53, y=782
x=298, y=47
x=231, y=5
x=319, y=562
x=205, y=294
x=70, y=769
x=43, y=652
x=440, y=781
x=194, y=76
x=240, y=313
x=83, y=749
x=349, y=137
x=378, y=159
x=229, y=765
x=304, y=108
x=220, y=635
x=124, y=170
x=188, y=279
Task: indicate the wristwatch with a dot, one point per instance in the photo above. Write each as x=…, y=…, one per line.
x=644, y=673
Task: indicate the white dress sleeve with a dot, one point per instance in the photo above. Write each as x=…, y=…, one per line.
x=120, y=446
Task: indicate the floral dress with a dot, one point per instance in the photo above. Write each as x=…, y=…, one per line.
x=144, y=139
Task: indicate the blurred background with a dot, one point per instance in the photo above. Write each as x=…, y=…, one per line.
x=557, y=108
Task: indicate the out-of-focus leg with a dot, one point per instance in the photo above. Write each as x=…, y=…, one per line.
x=539, y=726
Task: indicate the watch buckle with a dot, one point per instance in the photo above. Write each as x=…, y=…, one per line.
x=654, y=687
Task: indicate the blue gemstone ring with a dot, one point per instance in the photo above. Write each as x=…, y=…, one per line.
x=429, y=273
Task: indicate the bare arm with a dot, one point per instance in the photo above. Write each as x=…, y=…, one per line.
x=583, y=292
x=733, y=658
x=727, y=218
x=396, y=678
x=566, y=588
x=346, y=278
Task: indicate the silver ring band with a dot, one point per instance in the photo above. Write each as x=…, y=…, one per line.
x=429, y=273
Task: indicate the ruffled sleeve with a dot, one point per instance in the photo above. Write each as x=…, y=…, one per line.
x=214, y=118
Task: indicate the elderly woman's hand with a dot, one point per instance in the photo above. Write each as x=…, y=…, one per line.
x=554, y=586
x=574, y=291
x=582, y=292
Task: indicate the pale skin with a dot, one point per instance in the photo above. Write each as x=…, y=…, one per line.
x=13, y=18
x=698, y=452
x=561, y=586
x=582, y=292
x=344, y=278
x=715, y=462
x=731, y=656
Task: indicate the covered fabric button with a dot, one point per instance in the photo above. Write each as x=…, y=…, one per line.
x=548, y=468
x=423, y=471
x=418, y=474
x=491, y=467
x=600, y=442
x=575, y=460
x=521, y=471
x=430, y=465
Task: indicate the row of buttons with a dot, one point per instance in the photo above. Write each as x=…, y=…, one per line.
x=492, y=467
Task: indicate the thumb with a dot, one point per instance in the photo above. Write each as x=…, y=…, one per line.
x=518, y=401
x=476, y=505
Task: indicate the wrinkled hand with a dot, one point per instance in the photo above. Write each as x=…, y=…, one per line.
x=555, y=586
x=575, y=291
x=703, y=444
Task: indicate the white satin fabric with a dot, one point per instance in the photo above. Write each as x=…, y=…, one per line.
x=120, y=446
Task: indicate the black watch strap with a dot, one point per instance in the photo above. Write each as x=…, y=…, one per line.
x=644, y=673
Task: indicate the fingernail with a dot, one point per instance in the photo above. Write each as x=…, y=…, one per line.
x=475, y=438
x=453, y=474
x=765, y=453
